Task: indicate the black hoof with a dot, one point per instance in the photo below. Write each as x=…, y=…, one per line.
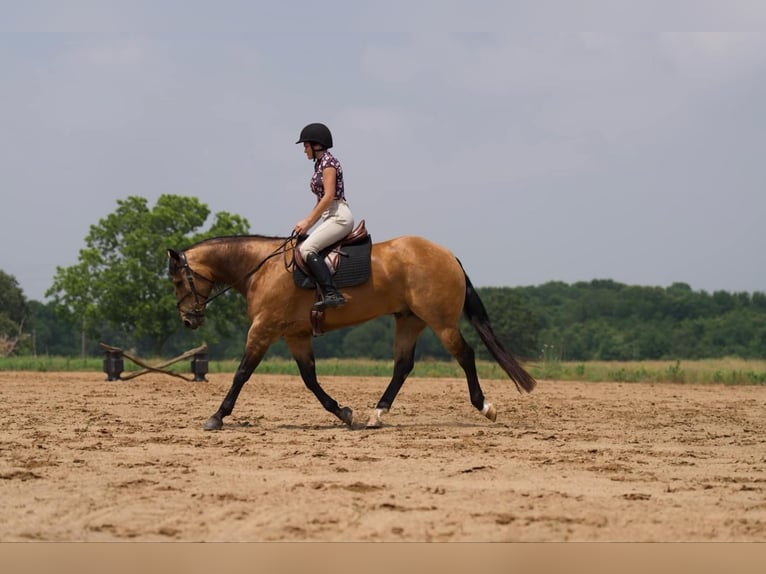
x=214, y=423
x=346, y=415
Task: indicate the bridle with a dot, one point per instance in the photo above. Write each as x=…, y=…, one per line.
x=202, y=301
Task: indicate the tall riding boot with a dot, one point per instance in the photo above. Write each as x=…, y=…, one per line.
x=330, y=295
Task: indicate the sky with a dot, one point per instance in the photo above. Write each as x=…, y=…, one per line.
x=534, y=152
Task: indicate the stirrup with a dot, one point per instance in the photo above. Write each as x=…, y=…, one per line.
x=330, y=302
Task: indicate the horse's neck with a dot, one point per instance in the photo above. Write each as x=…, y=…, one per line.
x=229, y=261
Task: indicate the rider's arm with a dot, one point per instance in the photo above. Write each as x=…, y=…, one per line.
x=329, y=175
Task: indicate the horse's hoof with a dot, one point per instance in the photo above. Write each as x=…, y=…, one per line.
x=490, y=412
x=346, y=415
x=214, y=423
x=375, y=422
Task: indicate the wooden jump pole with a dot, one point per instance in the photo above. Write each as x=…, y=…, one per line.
x=160, y=368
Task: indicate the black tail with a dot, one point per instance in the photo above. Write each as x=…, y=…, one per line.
x=476, y=313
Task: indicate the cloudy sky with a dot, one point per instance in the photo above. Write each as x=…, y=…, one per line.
x=534, y=152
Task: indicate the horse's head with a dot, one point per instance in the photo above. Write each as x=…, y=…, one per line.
x=192, y=289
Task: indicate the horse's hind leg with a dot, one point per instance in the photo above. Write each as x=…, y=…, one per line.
x=454, y=342
x=300, y=348
x=408, y=327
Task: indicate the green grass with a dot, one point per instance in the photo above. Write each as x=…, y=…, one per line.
x=727, y=371
x=45, y=364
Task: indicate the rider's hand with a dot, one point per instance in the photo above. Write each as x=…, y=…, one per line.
x=301, y=227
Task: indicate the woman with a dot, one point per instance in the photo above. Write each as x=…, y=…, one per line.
x=331, y=210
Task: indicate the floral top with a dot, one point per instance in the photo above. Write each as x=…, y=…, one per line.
x=317, y=184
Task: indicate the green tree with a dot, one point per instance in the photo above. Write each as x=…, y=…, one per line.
x=13, y=309
x=120, y=279
x=12, y=301
x=50, y=335
x=371, y=340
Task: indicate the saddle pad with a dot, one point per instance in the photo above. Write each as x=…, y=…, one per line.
x=353, y=267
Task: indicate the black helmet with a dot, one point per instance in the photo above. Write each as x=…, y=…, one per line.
x=316, y=133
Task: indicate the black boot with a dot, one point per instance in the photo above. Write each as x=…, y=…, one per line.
x=330, y=296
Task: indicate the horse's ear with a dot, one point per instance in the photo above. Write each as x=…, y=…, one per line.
x=173, y=254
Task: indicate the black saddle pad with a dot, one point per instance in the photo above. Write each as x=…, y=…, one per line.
x=353, y=267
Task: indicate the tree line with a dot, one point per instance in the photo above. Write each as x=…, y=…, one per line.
x=118, y=293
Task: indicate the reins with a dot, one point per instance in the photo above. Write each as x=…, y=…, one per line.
x=282, y=249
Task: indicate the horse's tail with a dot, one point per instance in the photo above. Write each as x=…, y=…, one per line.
x=475, y=312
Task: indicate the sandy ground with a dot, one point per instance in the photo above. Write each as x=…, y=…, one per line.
x=82, y=459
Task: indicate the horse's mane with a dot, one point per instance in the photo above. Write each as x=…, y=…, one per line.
x=227, y=239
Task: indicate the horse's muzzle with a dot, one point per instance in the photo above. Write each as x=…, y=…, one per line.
x=192, y=320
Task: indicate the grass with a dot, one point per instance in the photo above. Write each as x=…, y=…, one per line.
x=727, y=370
x=730, y=371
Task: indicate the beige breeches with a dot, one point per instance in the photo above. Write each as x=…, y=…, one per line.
x=335, y=224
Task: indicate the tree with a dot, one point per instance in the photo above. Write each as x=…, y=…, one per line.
x=13, y=308
x=120, y=279
x=371, y=340
x=12, y=301
x=49, y=333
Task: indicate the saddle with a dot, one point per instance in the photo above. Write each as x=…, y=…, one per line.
x=349, y=264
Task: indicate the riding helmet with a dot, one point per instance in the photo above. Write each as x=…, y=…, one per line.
x=316, y=133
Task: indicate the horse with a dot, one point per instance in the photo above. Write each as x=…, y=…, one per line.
x=416, y=280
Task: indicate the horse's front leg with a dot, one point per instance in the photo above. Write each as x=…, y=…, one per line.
x=245, y=369
x=255, y=349
x=302, y=352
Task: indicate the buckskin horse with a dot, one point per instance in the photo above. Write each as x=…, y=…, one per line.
x=417, y=281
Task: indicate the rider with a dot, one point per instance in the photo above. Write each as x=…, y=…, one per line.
x=331, y=210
